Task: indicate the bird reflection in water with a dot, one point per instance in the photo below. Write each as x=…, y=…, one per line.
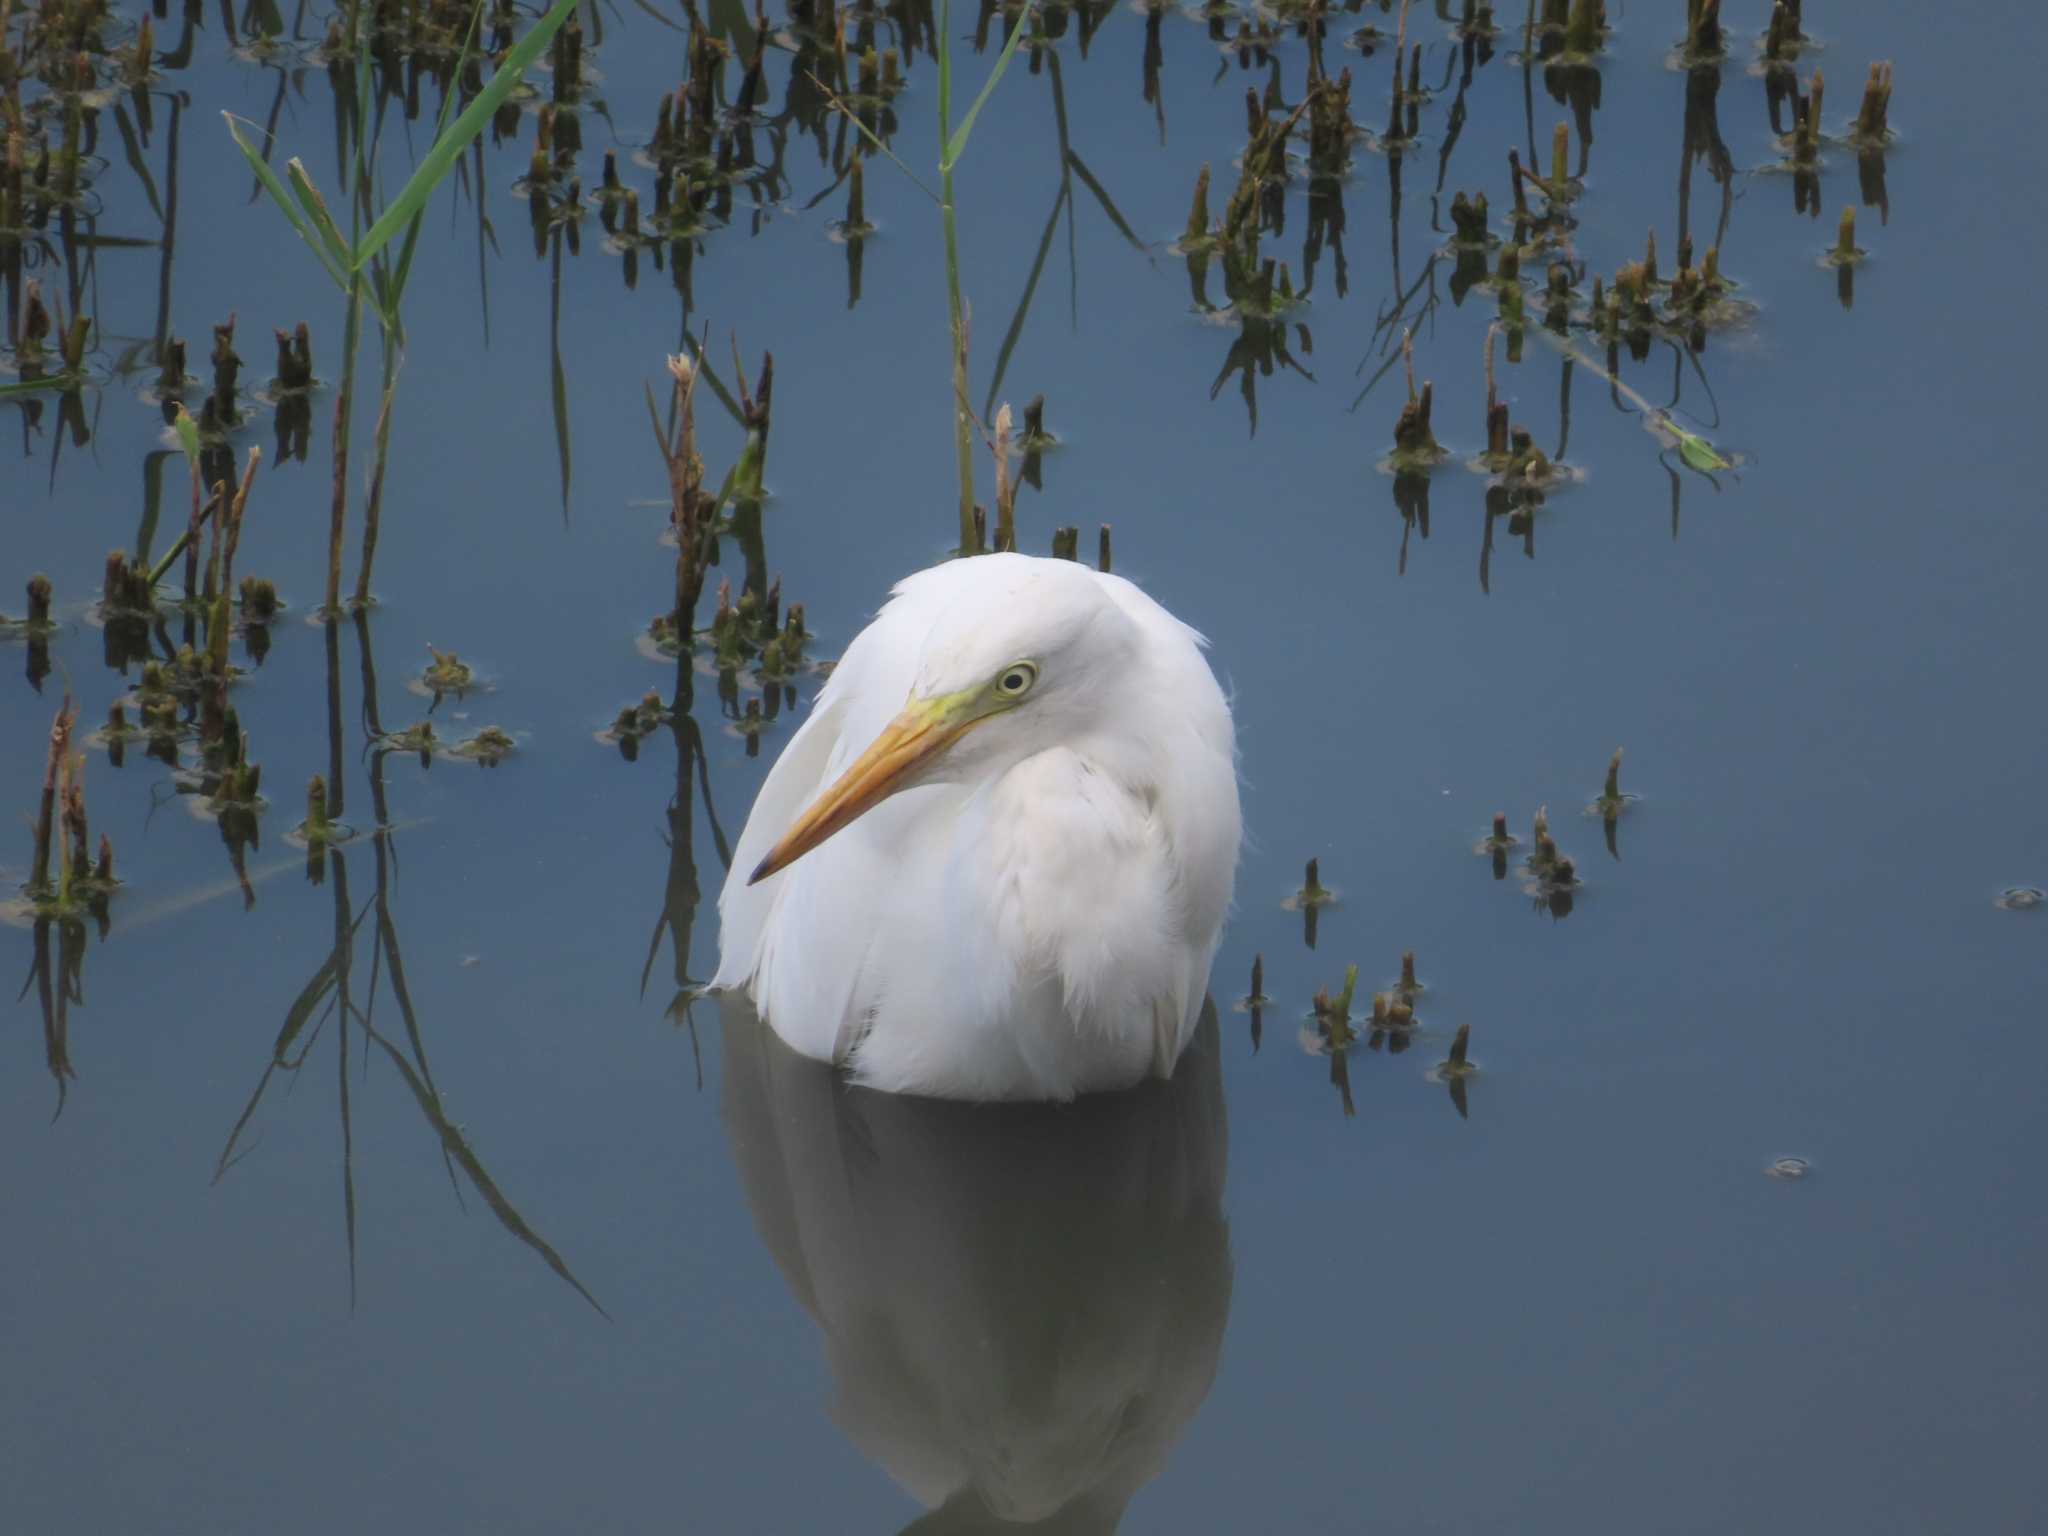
x=1022, y=1304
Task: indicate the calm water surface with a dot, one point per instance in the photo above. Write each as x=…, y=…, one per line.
x=1220, y=1304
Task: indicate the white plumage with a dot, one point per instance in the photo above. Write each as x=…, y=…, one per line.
x=1024, y=896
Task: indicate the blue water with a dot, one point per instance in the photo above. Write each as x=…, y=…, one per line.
x=1224, y=1304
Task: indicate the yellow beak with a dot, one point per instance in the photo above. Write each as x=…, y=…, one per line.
x=925, y=729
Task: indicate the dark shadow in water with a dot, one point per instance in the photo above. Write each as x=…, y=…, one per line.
x=1022, y=1305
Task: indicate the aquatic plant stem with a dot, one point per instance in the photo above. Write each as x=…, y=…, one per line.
x=373, y=507
x=343, y=410
x=963, y=440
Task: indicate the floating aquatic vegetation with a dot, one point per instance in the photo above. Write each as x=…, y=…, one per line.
x=1331, y=131
x=1560, y=189
x=1611, y=802
x=855, y=228
x=1408, y=987
x=1416, y=450
x=1552, y=876
x=185, y=677
x=1511, y=452
x=1255, y=1002
x=1784, y=37
x=66, y=881
x=227, y=780
x=634, y=723
x=1455, y=1068
x=258, y=601
x=36, y=623
x=1704, y=42
x=1495, y=845
x=1469, y=227
x=1872, y=128
x=114, y=736
x=489, y=746
x=221, y=412
x=1309, y=901
x=1329, y=1028
x=1845, y=256
x=750, y=725
x=419, y=739
x=1475, y=22
x=319, y=830
x=1393, y=1021
x=446, y=674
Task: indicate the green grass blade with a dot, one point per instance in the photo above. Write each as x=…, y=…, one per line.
x=315, y=207
x=441, y=157
x=334, y=262
x=865, y=132
x=956, y=145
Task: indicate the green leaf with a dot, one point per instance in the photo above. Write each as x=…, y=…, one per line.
x=188, y=436
x=285, y=204
x=867, y=133
x=440, y=158
x=1698, y=452
x=956, y=145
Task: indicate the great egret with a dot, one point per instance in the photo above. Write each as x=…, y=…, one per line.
x=995, y=860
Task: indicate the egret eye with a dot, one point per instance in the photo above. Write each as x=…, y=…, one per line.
x=1016, y=680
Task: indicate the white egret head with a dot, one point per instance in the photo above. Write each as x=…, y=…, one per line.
x=1050, y=663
